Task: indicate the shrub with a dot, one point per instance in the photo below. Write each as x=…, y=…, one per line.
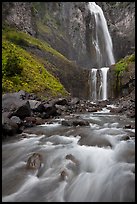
x=12, y=66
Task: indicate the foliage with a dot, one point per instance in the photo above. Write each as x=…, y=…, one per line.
x=121, y=68
x=12, y=65
x=31, y=75
x=123, y=64
x=23, y=39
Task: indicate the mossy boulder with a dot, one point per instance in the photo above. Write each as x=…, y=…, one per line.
x=122, y=77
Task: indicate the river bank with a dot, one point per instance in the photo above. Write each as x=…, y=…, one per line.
x=21, y=110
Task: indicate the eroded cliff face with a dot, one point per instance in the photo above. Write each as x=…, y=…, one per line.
x=76, y=22
x=19, y=15
x=121, y=23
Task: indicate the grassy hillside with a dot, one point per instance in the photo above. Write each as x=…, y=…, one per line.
x=22, y=69
x=43, y=70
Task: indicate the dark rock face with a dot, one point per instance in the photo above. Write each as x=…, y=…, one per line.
x=19, y=15
x=121, y=23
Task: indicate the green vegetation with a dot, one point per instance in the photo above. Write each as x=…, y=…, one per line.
x=43, y=28
x=11, y=65
x=22, y=71
x=121, y=68
x=23, y=39
x=123, y=64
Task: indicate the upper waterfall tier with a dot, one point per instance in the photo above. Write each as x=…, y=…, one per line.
x=101, y=38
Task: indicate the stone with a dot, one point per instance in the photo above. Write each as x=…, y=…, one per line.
x=34, y=161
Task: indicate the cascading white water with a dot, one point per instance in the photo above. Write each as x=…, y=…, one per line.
x=102, y=39
x=104, y=51
x=100, y=166
x=99, y=92
x=94, y=82
x=104, y=71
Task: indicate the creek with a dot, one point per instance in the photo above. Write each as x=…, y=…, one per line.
x=99, y=167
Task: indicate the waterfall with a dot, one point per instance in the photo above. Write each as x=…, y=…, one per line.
x=104, y=71
x=102, y=39
x=103, y=46
x=94, y=83
x=99, y=83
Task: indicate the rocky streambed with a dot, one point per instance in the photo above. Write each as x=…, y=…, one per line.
x=80, y=157
x=21, y=110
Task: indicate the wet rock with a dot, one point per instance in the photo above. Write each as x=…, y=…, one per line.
x=102, y=103
x=9, y=127
x=72, y=158
x=6, y=115
x=93, y=109
x=63, y=175
x=39, y=121
x=32, y=121
x=80, y=123
x=40, y=108
x=21, y=94
x=116, y=110
x=125, y=137
x=131, y=114
x=10, y=102
x=66, y=122
x=76, y=122
x=34, y=104
x=16, y=120
x=23, y=111
x=128, y=126
x=74, y=101
x=61, y=108
x=50, y=111
x=29, y=121
x=61, y=101
x=34, y=161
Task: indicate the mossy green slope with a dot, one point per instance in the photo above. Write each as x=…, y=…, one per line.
x=34, y=77
x=124, y=74
x=124, y=64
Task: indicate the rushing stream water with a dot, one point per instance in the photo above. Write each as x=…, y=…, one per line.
x=102, y=168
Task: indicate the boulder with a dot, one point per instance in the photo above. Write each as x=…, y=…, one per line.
x=23, y=110
x=63, y=175
x=75, y=122
x=116, y=110
x=11, y=102
x=34, y=104
x=50, y=111
x=34, y=161
x=72, y=158
x=40, y=108
x=9, y=127
x=61, y=101
x=74, y=101
x=17, y=120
